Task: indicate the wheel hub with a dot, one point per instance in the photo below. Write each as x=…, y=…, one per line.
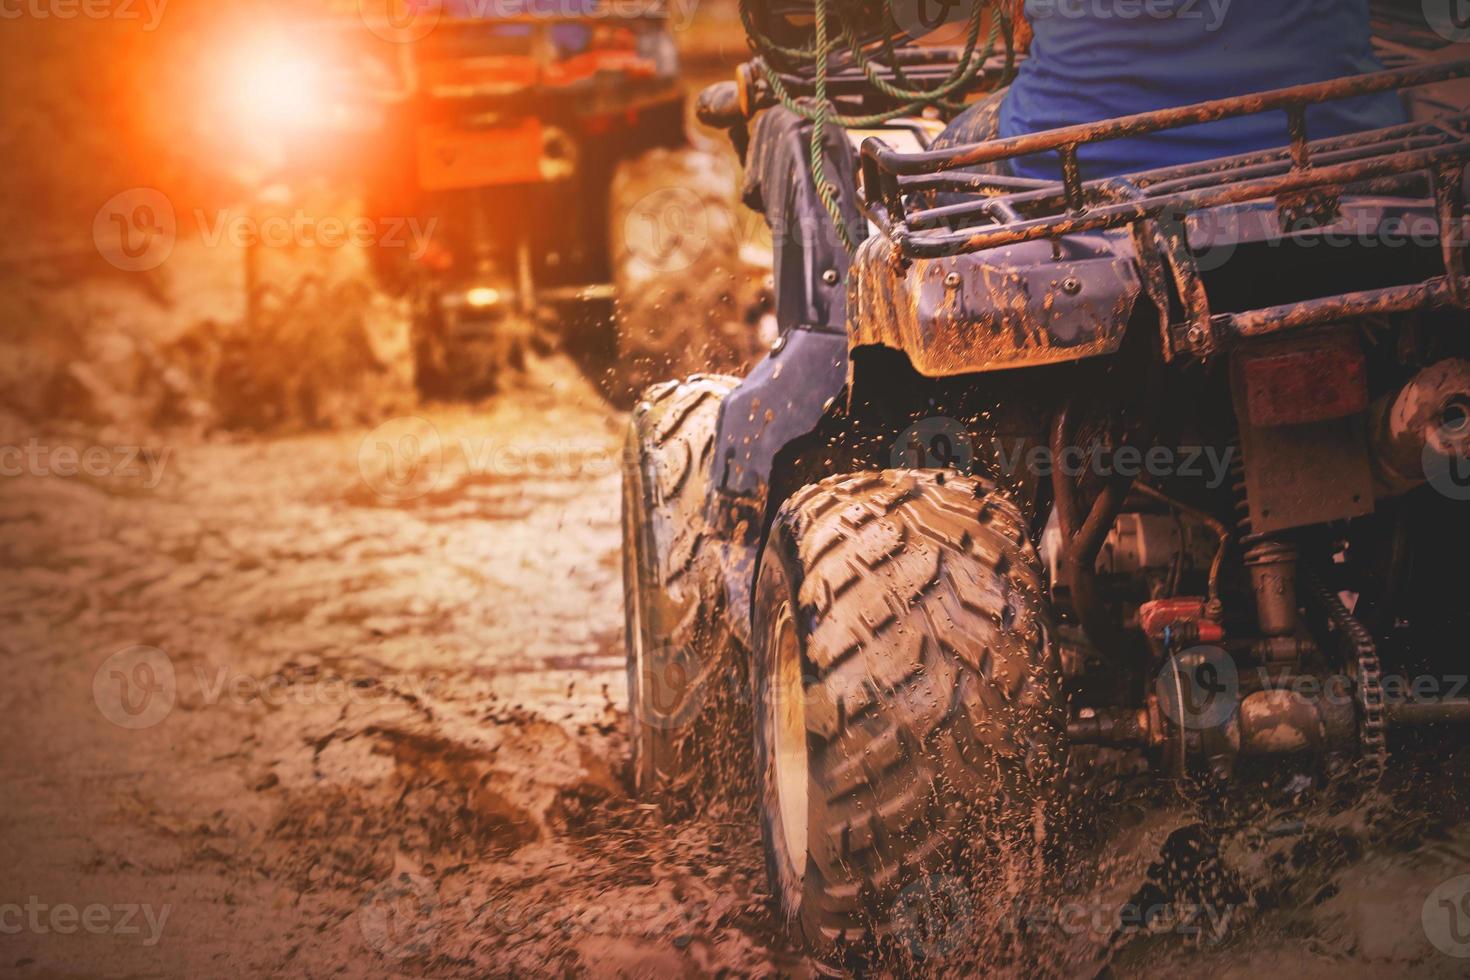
x=789, y=698
x=632, y=534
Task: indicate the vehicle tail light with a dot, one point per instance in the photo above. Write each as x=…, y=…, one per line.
x=1309, y=379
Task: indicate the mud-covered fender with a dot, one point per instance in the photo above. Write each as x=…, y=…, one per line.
x=1020, y=306
x=781, y=400
x=783, y=396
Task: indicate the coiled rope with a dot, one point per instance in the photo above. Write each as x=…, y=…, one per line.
x=820, y=110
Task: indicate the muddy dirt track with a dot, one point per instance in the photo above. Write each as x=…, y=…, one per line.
x=346, y=709
x=352, y=704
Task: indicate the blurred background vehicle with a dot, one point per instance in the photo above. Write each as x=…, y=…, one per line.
x=501, y=127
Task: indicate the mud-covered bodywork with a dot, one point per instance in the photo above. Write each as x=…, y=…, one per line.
x=1038, y=303
x=977, y=274
x=782, y=397
x=1019, y=306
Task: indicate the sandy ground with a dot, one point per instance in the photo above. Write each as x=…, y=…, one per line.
x=383, y=726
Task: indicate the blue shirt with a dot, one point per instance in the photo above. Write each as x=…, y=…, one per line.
x=1096, y=59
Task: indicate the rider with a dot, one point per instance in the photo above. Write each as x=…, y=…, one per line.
x=1097, y=59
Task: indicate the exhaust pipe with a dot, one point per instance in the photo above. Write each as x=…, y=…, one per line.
x=1422, y=426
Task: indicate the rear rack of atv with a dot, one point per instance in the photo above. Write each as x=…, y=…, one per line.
x=1304, y=177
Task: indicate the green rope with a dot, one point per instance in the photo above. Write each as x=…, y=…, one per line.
x=820, y=110
x=826, y=190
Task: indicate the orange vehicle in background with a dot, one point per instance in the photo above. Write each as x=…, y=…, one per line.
x=511, y=121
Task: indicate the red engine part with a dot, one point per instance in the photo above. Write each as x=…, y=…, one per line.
x=1180, y=611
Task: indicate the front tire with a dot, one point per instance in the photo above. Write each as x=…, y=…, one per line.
x=675, y=657
x=905, y=695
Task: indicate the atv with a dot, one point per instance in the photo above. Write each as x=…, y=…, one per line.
x=957, y=530
x=512, y=127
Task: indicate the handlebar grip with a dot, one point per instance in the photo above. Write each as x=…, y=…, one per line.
x=719, y=106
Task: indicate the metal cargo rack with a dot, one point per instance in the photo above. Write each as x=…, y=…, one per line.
x=900, y=191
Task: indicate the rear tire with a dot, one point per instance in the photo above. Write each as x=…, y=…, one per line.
x=903, y=628
x=675, y=657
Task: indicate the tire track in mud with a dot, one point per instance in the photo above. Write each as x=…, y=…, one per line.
x=394, y=732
